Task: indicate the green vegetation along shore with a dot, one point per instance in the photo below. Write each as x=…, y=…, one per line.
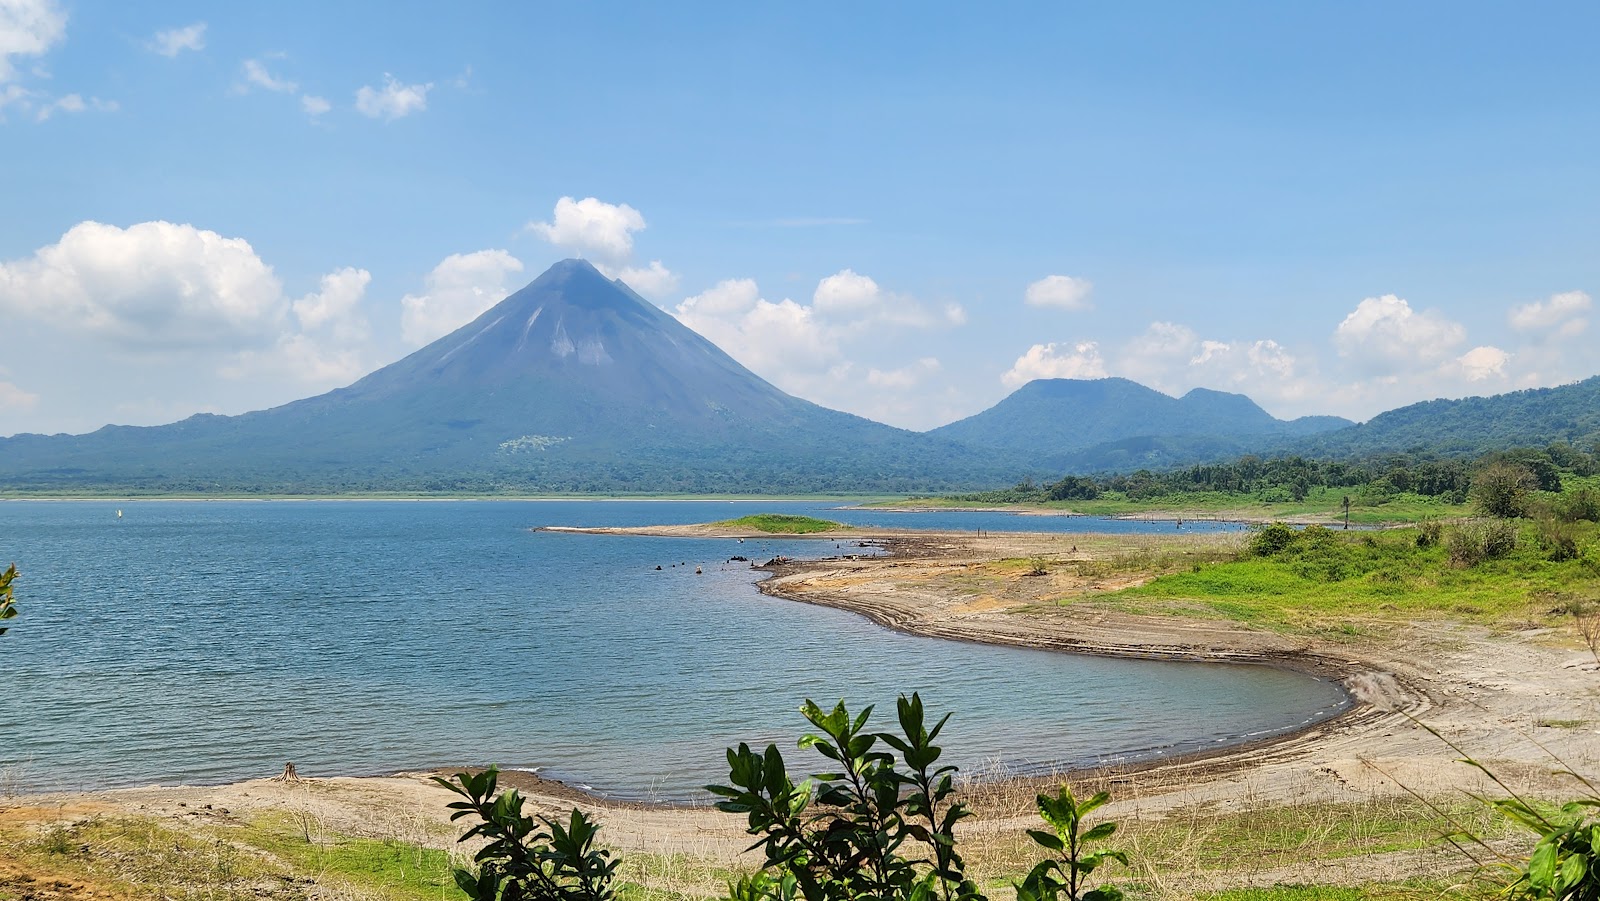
x=782, y=524
x=1559, y=480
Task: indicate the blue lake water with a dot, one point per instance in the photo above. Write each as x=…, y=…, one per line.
x=211, y=641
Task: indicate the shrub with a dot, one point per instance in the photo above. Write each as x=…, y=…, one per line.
x=1581, y=505
x=1557, y=539
x=866, y=812
x=1590, y=557
x=1478, y=540
x=1429, y=532
x=1271, y=539
x=527, y=858
x=884, y=828
x=1501, y=489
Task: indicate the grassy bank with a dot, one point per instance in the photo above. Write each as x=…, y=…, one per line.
x=782, y=524
x=1172, y=855
x=1319, y=505
x=274, y=858
x=1334, y=580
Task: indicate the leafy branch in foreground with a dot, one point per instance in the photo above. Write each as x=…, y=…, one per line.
x=869, y=813
x=1565, y=863
x=880, y=826
x=527, y=858
x=1066, y=873
x=7, y=611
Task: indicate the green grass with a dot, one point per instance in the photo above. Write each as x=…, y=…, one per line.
x=388, y=868
x=1325, y=583
x=138, y=857
x=782, y=524
x=1321, y=504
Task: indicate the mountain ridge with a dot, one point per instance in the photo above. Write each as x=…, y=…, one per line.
x=1062, y=422
x=573, y=382
x=576, y=383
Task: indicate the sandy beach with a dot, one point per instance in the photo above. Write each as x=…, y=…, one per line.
x=1520, y=700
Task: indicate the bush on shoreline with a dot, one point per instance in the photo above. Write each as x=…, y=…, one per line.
x=879, y=824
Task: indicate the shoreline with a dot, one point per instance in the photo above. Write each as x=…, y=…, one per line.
x=1340, y=670
x=1486, y=690
x=901, y=545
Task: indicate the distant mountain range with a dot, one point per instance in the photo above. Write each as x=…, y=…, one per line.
x=1115, y=424
x=577, y=384
x=574, y=383
x=1473, y=425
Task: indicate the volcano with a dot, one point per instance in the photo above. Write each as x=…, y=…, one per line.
x=574, y=383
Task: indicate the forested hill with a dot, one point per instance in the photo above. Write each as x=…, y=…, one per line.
x=1115, y=423
x=1473, y=425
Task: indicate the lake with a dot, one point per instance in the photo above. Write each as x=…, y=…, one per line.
x=213, y=641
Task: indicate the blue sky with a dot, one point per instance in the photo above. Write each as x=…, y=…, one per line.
x=901, y=210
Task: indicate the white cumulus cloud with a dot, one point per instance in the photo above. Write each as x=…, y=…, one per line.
x=336, y=306
x=1481, y=363
x=314, y=105
x=847, y=292
x=328, y=348
x=28, y=28
x=1562, y=315
x=154, y=285
x=654, y=281
x=174, y=295
x=457, y=291
x=592, y=228
x=854, y=302
x=173, y=41
x=775, y=339
x=813, y=350
x=1056, y=361
x=1061, y=291
x=394, y=100
x=1384, y=335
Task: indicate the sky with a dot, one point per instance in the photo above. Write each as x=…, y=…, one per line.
x=901, y=210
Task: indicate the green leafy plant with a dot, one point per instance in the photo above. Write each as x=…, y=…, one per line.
x=876, y=826
x=1565, y=864
x=1066, y=873
x=7, y=609
x=527, y=858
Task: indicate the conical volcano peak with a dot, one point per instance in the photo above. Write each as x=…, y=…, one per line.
x=577, y=284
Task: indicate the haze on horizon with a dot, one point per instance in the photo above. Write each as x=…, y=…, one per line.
x=1332, y=210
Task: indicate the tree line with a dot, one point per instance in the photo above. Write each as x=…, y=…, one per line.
x=1450, y=480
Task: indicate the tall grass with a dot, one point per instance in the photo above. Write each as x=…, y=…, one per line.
x=1337, y=575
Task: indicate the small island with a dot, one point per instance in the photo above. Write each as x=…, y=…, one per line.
x=756, y=525
x=783, y=524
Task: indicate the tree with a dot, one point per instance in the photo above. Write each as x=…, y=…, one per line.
x=1501, y=489
x=6, y=609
